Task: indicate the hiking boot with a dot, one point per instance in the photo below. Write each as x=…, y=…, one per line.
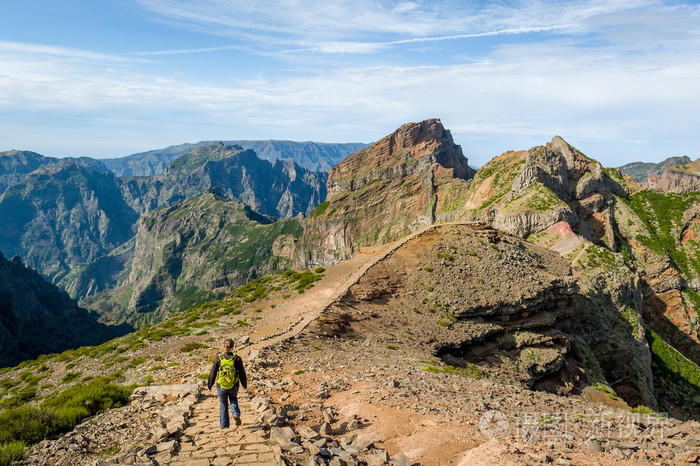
x=237, y=420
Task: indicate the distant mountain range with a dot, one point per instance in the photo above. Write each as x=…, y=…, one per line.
x=62, y=213
x=315, y=156
x=639, y=171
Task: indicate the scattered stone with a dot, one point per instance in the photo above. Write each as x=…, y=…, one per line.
x=325, y=429
x=594, y=446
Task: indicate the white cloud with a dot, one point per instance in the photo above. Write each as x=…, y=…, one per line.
x=631, y=87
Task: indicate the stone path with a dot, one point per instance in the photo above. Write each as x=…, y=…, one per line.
x=211, y=445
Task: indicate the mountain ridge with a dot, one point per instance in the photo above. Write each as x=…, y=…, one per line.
x=311, y=155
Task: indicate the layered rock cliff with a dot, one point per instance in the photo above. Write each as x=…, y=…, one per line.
x=403, y=182
x=683, y=177
x=640, y=171
x=38, y=318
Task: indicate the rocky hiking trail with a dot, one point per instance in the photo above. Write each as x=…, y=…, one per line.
x=322, y=400
x=208, y=444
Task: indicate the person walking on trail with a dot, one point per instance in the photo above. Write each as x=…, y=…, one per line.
x=228, y=373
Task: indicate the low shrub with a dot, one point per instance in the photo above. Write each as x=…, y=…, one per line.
x=11, y=451
x=191, y=347
x=30, y=423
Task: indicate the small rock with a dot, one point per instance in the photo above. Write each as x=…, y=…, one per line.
x=325, y=429
x=348, y=439
x=292, y=447
x=672, y=432
x=282, y=434
x=594, y=446
x=364, y=444
x=307, y=433
x=401, y=460
x=691, y=456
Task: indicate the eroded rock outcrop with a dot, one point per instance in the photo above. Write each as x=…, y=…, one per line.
x=402, y=183
x=527, y=191
x=680, y=178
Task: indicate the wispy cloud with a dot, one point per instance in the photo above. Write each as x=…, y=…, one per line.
x=221, y=48
x=328, y=21
x=54, y=51
x=367, y=47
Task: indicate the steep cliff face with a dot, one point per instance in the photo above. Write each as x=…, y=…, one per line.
x=281, y=189
x=681, y=178
x=194, y=251
x=38, y=318
x=64, y=214
x=403, y=182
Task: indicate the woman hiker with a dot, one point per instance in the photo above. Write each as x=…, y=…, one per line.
x=227, y=372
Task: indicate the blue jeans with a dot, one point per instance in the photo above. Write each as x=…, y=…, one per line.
x=224, y=397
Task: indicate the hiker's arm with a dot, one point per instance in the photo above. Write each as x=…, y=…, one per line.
x=212, y=373
x=241, y=372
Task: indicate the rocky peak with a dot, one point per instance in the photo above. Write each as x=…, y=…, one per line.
x=404, y=182
x=408, y=150
x=564, y=170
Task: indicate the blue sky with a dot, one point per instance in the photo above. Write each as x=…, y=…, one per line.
x=620, y=80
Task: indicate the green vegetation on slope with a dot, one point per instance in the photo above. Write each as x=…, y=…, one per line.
x=662, y=214
x=679, y=376
x=29, y=424
x=25, y=421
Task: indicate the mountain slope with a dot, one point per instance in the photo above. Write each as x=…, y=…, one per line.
x=34, y=316
x=64, y=214
x=366, y=367
x=315, y=156
x=640, y=171
x=192, y=252
x=281, y=189
x=683, y=177
x=634, y=255
x=400, y=184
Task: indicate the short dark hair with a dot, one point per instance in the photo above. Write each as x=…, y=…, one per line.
x=228, y=343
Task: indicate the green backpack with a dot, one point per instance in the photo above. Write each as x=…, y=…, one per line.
x=228, y=377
